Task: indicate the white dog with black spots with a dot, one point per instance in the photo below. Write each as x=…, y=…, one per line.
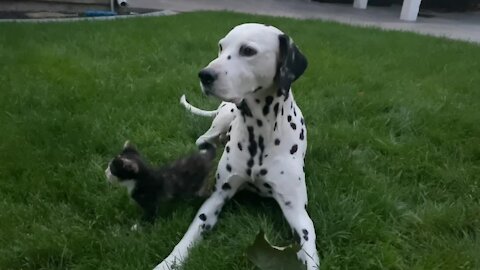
x=265, y=133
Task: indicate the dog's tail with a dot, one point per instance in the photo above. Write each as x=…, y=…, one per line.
x=195, y=110
x=209, y=149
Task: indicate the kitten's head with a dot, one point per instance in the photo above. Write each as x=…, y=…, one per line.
x=125, y=167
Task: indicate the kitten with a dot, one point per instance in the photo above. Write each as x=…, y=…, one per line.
x=148, y=186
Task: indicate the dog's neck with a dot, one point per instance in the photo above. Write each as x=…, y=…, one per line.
x=263, y=109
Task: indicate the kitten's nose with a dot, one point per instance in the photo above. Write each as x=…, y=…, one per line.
x=207, y=76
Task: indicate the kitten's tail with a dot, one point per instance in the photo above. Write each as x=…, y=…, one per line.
x=195, y=110
x=209, y=149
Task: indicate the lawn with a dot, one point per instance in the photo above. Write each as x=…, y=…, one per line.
x=393, y=163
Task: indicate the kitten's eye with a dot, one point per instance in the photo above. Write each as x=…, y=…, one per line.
x=247, y=51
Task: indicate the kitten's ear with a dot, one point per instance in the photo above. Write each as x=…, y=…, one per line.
x=128, y=144
x=130, y=165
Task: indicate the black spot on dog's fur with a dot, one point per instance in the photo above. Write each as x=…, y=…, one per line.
x=259, y=122
x=240, y=146
x=275, y=126
x=275, y=109
x=232, y=110
x=289, y=118
x=244, y=109
x=288, y=203
x=257, y=101
x=202, y=217
x=267, y=185
x=268, y=102
x=250, y=162
x=262, y=147
x=294, y=149
x=226, y=186
x=302, y=136
x=263, y=171
x=252, y=147
x=302, y=121
x=229, y=168
x=294, y=127
x=229, y=57
x=249, y=172
x=257, y=89
x=227, y=149
x=282, y=172
x=277, y=141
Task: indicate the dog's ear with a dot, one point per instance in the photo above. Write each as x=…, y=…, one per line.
x=291, y=63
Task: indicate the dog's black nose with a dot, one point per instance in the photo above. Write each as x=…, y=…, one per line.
x=207, y=76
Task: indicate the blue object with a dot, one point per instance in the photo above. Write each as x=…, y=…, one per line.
x=98, y=13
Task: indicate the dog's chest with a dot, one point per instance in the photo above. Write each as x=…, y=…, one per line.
x=257, y=140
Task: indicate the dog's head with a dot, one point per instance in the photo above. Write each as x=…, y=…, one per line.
x=252, y=57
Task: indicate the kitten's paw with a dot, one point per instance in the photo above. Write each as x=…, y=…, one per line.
x=170, y=263
x=201, y=140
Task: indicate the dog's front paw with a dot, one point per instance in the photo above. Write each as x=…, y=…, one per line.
x=170, y=263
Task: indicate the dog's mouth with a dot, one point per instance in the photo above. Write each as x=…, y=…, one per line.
x=208, y=91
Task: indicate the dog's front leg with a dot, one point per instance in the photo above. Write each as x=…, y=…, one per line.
x=220, y=124
x=204, y=221
x=302, y=227
x=289, y=191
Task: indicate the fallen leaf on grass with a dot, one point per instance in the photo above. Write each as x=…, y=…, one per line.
x=268, y=257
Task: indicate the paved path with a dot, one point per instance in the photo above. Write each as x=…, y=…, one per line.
x=463, y=26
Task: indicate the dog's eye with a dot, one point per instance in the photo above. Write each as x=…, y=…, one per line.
x=247, y=51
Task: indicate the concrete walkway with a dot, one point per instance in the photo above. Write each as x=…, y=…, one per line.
x=462, y=26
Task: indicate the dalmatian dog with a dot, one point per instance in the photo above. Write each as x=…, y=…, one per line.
x=264, y=130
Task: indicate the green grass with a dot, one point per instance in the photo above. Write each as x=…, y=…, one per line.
x=393, y=164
